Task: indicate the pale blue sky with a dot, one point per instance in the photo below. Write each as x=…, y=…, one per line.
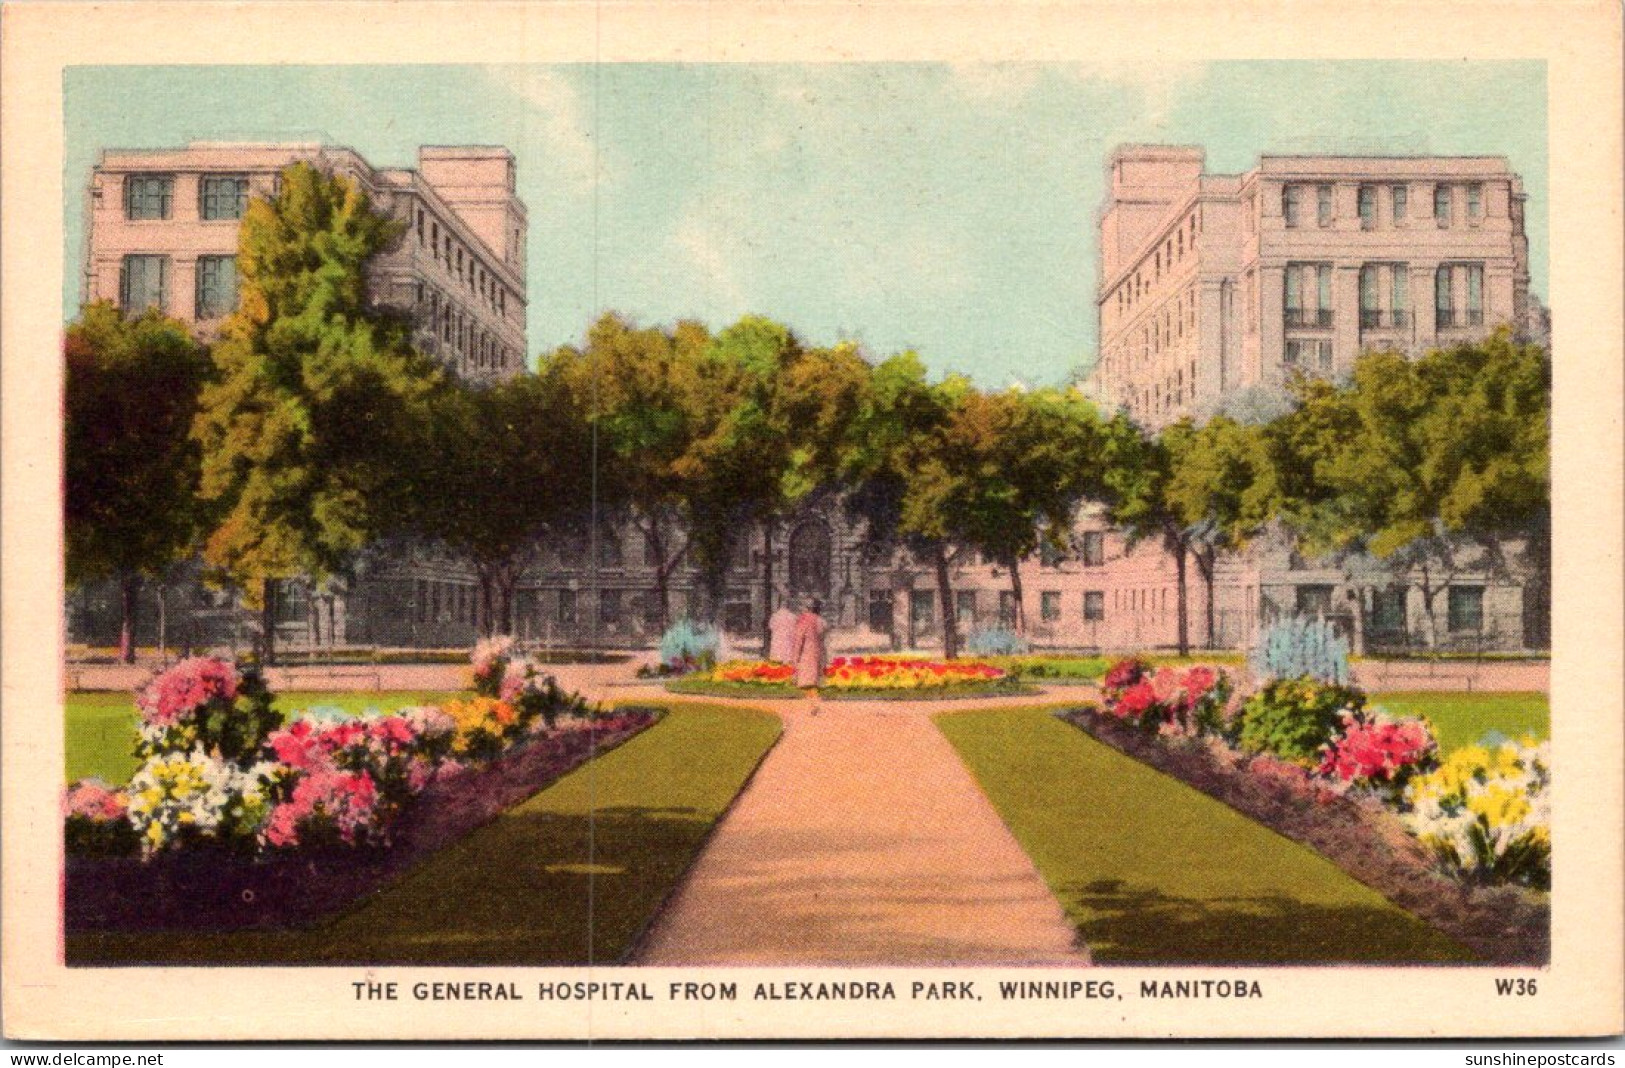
x=949, y=209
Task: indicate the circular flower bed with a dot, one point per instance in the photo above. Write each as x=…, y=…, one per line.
x=852, y=677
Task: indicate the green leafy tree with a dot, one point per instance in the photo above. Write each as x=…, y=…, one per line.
x=1221, y=490
x=318, y=395
x=1141, y=469
x=1022, y=463
x=1437, y=466
x=899, y=479
x=510, y=464
x=638, y=389
x=131, y=467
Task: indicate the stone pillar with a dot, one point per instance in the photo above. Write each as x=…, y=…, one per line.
x=1345, y=317
x=1425, y=331
x=1271, y=325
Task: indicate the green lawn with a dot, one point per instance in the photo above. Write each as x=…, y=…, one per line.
x=1461, y=719
x=100, y=725
x=1150, y=870
x=571, y=876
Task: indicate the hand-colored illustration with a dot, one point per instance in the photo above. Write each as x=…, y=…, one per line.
x=886, y=514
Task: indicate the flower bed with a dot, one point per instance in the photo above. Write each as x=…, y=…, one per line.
x=1448, y=843
x=225, y=796
x=854, y=677
x=218, y=889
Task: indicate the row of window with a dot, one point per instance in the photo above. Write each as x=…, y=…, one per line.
x=1464, y=607
x=144, y=283
x=1168, y=252
x=152, y=196
x=1294, y=197
x=467, y=270
x=1458, y=295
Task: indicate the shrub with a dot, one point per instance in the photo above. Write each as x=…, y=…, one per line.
x=205, y=703
x=1184, y=702
x=1379, y=751
x=538, y=696
x=1486, y=813
x=328, y=806
x=1297, y=647
x=1295, y=718
x=183, y=798
x=996, y=641
x=483, y=726
x=689, y=646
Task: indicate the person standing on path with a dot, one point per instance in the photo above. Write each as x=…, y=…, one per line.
x=781, y=629
x=808, y=650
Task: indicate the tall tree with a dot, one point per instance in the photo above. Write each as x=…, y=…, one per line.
x=898, y=478
x=1140, y=471
x=304, y=433
x=1024, y=462
x=130, y=467
x=638, y=388
x=510, y=464
x=1436, y=465
x=1221, y=490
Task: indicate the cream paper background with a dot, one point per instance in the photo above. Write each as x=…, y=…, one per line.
x=1580, y=993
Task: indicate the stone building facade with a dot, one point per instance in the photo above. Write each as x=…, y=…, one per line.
x=1215, y=289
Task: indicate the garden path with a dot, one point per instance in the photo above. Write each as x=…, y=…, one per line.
x=863, y=839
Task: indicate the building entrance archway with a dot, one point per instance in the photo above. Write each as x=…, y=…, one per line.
x=812, y=560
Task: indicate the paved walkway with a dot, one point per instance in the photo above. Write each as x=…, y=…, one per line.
x=862, y=839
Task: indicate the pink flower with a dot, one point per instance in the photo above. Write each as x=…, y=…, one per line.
x=93, y=799
x=176, y=694
x=1377, y=750
x=347, y=801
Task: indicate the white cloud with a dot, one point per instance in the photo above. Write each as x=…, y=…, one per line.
x=560, y=116
x=1160, y=81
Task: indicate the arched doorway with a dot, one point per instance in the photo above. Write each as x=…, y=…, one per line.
x=811, y=560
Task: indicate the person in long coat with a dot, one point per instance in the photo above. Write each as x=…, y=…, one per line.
x=781, y=629
x=808, y=648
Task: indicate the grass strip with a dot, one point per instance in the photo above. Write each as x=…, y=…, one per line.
x=570, y=876
x=1150, y=870
x=1463, y=719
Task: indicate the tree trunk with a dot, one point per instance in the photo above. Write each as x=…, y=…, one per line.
x=945, y=590
x=129, y=592
x=313, y=621
x=486, y=624
x=1180, y=598
x=507, y=582
x=1206, y=565
x=268, y=621
x=332, y=621
x=1431, y=632
x=657, y=543
x=1017, y=595
x=767, y=585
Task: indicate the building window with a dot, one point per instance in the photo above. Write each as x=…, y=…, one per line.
x=1388, y=610
x=1401, y=297
x=1308, y=353
x=565, y=615
x=1291, y=198
x=1370, y=306
x=1323, y=205
x=1302, y=279
x=1094, y=548
x=1401, y=199
x=1094, y=606
x=1441, y=204
x=1049, y=606
x=922, y=609
x=223, y=197
x=216, y=286
x=1368, y=207
x=1466, y=609
x=965, y=606
x=1049, y=554
x=143, y=282
x=1475, y=294
x=609, y=607
x=1007, y=608
x=1314, y=600
x=1444, y=298
x=148, y=196
x=1475, y=201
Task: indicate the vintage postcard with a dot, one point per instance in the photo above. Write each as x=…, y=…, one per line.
x=713, y=521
